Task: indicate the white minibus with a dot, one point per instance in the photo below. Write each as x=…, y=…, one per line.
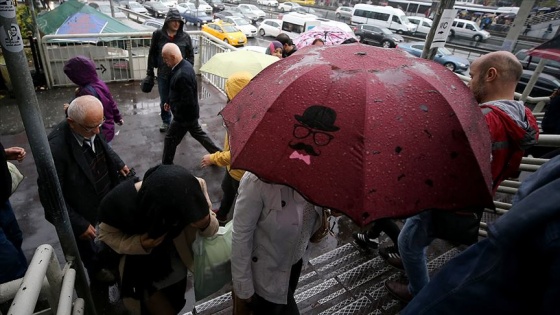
x=388, y=17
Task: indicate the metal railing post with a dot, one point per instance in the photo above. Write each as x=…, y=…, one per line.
x=16, y=62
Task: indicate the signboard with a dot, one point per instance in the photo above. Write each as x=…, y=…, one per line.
x=443, y=28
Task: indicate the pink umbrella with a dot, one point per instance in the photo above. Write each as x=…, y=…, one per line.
x=331, y=35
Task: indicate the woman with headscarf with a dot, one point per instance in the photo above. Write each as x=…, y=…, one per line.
x=153, y=224
x=275, y=48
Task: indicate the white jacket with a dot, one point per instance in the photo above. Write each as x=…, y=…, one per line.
x=264, y=237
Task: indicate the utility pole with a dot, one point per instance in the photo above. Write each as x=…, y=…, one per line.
x=429, y=52
x=11, y=42
x=518, y=25
x=112, y=9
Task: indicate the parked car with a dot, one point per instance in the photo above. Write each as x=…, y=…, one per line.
x=226, y=32
x=377, y=35
x=545, y=85
x=193, y=15
x=156, y=24
x=246, y=14
x=217, y=5
x=232, y=1
x=270, y=27
x=468, y=29
x=343, y=13
x=443, y=56
x=305, y=10
x=423, y=25
x=227, y=13
x=167, y=3
x=202, y=5
x=551, y=67
x=287, y=6
x=136, y=7
x=105, y=8
x=156, y=9
x=243, y=24
x=269, y=3
x=253, y=9
x=304, y=2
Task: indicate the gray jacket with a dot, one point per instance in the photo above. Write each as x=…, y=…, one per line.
x=264, y=239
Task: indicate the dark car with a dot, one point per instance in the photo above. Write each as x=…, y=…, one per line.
x=195, y=16
x=377, y=36
x=552, y=67
x=155, y=9
x=217, y=5
x=546, y=84
x=226, y=13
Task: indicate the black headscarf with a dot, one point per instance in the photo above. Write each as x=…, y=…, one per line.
x=170, y=198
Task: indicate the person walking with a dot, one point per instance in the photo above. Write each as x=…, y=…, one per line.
x=183, y=103
x=516, y=269
x=234, y=84
x=513, y=129
x=87, y=169
x=81, y=71
x=171, y=32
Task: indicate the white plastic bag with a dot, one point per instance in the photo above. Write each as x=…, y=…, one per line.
x=212, y=262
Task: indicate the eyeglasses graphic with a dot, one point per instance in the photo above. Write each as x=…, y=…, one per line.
x=320, y=138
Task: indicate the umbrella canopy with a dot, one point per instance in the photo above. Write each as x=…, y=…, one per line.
x=547, y=50
x=367, y=131
x=65, y=15
x=331, y=35
x=82, y=23
x=227, y=63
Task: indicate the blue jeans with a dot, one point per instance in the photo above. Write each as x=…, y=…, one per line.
x=13, y=263
x=414, y=238
x=163, y=89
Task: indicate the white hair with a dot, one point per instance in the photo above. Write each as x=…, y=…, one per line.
x=80, y=106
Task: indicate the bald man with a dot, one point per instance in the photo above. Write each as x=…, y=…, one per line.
x=183, y=103
x=87, y=170
x=513, y=129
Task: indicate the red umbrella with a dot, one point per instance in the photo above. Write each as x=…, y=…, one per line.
x=547, y=50
x=368, y=131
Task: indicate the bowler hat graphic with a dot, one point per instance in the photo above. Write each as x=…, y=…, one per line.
x=319, y=117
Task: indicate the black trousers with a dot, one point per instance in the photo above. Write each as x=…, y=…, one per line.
x=175, y=134
x=229, y=187
x=385, y=225
x=261, y=306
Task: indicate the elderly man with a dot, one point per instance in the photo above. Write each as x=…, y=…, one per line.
x=87, y=169
x=512, y=130
x=183, y=103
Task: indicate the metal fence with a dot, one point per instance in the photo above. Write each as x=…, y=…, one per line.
x=43, y=277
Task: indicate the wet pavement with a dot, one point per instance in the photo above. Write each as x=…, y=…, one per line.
x=139, y=143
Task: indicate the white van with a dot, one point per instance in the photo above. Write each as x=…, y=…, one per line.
x=468, y=29
x=294, y=23
x=388, y=17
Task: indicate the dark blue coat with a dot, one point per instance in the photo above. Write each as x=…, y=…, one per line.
x=516, y=270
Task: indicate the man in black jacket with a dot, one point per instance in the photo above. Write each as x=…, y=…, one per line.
x=183, y=103
x=87, y=169
x=171, y=32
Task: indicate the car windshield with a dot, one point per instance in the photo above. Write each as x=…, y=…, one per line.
x=252, y=7
x=240, y=21
x=444, y=51
x=135, y=5
x=191, y=6
x=230, y=29
x=217, y=1
x=245, y=10
x=404, y=19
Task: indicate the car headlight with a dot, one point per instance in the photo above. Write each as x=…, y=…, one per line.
x=461, y=64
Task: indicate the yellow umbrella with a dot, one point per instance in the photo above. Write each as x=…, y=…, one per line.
x=227, y=63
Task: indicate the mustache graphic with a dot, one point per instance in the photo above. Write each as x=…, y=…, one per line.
x=305, y=147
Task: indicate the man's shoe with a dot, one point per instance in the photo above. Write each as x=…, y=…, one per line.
x=391, y=256
x=365, y=242
x=163, y=127
x=399, y=291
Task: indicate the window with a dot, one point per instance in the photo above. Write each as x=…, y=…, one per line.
x=413, y=21
x=460, y=24
x=470, y=27
x=396, y=19
x=426, y=24
x=291, y=27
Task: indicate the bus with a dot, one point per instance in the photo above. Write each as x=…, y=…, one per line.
x=425, y=8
